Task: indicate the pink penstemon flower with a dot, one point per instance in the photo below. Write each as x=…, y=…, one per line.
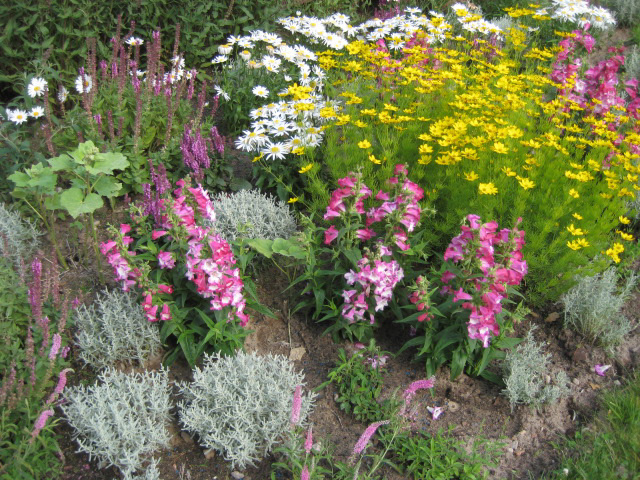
x=601, y=369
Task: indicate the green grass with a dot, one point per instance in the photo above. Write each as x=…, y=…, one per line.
x=610, y=447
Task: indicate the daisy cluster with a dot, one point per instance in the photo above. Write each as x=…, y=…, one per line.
x=289, y=126
x=580, y=12
x=494, y=259
x=36, y=88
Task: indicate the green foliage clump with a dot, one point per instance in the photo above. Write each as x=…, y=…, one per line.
x=358, y=380
x=101, y=326
x=592, y=308
x=443, y=457
x=525, y=370
x=241, y=405
x=122, y=418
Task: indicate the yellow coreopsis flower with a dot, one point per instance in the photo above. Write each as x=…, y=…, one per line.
x=625, y=236
x=293, y=200
x=615, y=251
x=306, y=168
x=573, y=192
x=624, y=220
x=577, y=216
x=471, y=176
x=487, y=189
x=526, y=184
x=575, y=231
x=508, y=172
x=373, y=159
x=364, y=144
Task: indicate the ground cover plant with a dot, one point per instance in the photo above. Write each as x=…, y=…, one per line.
x=424, y=184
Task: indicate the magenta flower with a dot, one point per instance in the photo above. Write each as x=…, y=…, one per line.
x=308, y=441
x=330, y=235
x=156, y=234
x=166, y=260
x=165, y=314
x=304, y=474
x=601, y=369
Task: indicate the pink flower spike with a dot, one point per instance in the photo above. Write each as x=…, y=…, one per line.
x=435, y=412
x=297, y=404
x=366, y=436
x=304, y=474
x=308, y=441
x=601, y=369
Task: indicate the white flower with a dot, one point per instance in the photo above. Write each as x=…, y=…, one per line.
x=221, y=93
x=225, y=49
x=232, y=40
x=63, y=93
x=260, y=91
x=88, y=83
x=135, y=41
x=275, y=150
x=245, y=42
x=245, y=55
x=17, y=116
x=36, y=87
x=219, y=59
x=36, y=112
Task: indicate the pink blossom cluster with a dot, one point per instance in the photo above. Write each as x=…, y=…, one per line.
x=399, y=208
x=600, y=82
x=209, y=258
x=373, y=276
x=490, y=259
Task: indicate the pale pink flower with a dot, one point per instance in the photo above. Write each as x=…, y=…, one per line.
x=435, y=412
x=304, y=474
x=40, y=423
x=55, y=347
x=297, y=404
x=601, y=369
x=308, y=441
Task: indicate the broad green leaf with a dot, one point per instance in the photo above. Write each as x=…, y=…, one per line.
x=107, y=163
x=262, y=246
x=107, y=186
x=84, y=149
x=63, y=162
x=74, y=202
x=19, y=178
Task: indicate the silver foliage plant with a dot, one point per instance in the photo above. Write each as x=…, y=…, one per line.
x=21, y=236
x=627, y=12
x=114, y=329
x=592, y=308
x=241, y=405
x=527, y=377
x=122, y=419
x=251, y=214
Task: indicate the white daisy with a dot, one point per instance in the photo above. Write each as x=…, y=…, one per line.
x=221, y=93
x=17, y=116
x=245, y=42
x=245, y=55
x=260, y=91
x=36, y=87
x=84, y=83
x=135, y=41
x=225, y=49
x=63, y=93
x=219, y=59
x=36, y=112
x=275, y=150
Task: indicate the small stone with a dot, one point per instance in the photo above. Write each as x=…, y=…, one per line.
x=514, y=445
x=453, y=406
x=237, y=475
x=186, y=437
x=209, y=454
x=617, y=383
x=297, y=354
x=575, y=381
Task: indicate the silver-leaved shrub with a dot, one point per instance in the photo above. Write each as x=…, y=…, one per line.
x=241, y=405
x=527, y=376
x=20, y=235
x=251, y=214
x=592, y=308
x=114, y=329
x=122, y=418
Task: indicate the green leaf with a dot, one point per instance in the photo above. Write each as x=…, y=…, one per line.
x=108, y=162
x=84, y=149
x=21, y=179
x=107, y=186
x=458, y=361
x=239, y=184
x=63, y=162
x=262, y=246
x=74, y=202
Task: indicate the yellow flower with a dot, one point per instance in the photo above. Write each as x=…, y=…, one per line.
x=298, y=151
x=575, y=231
x=625, y=236
x=360, y=124
x=499, y=147
x=293, y=200
x=373, y=159
x=526, y=183
x=508, y=172
x=364, y=144
x=624, y=220
x=255, y=159
x=578, y=244
x=574, y=193
x=306, y=168
x=614, y=252
x=487, y=189
x=577, y=216
x=471, y=176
